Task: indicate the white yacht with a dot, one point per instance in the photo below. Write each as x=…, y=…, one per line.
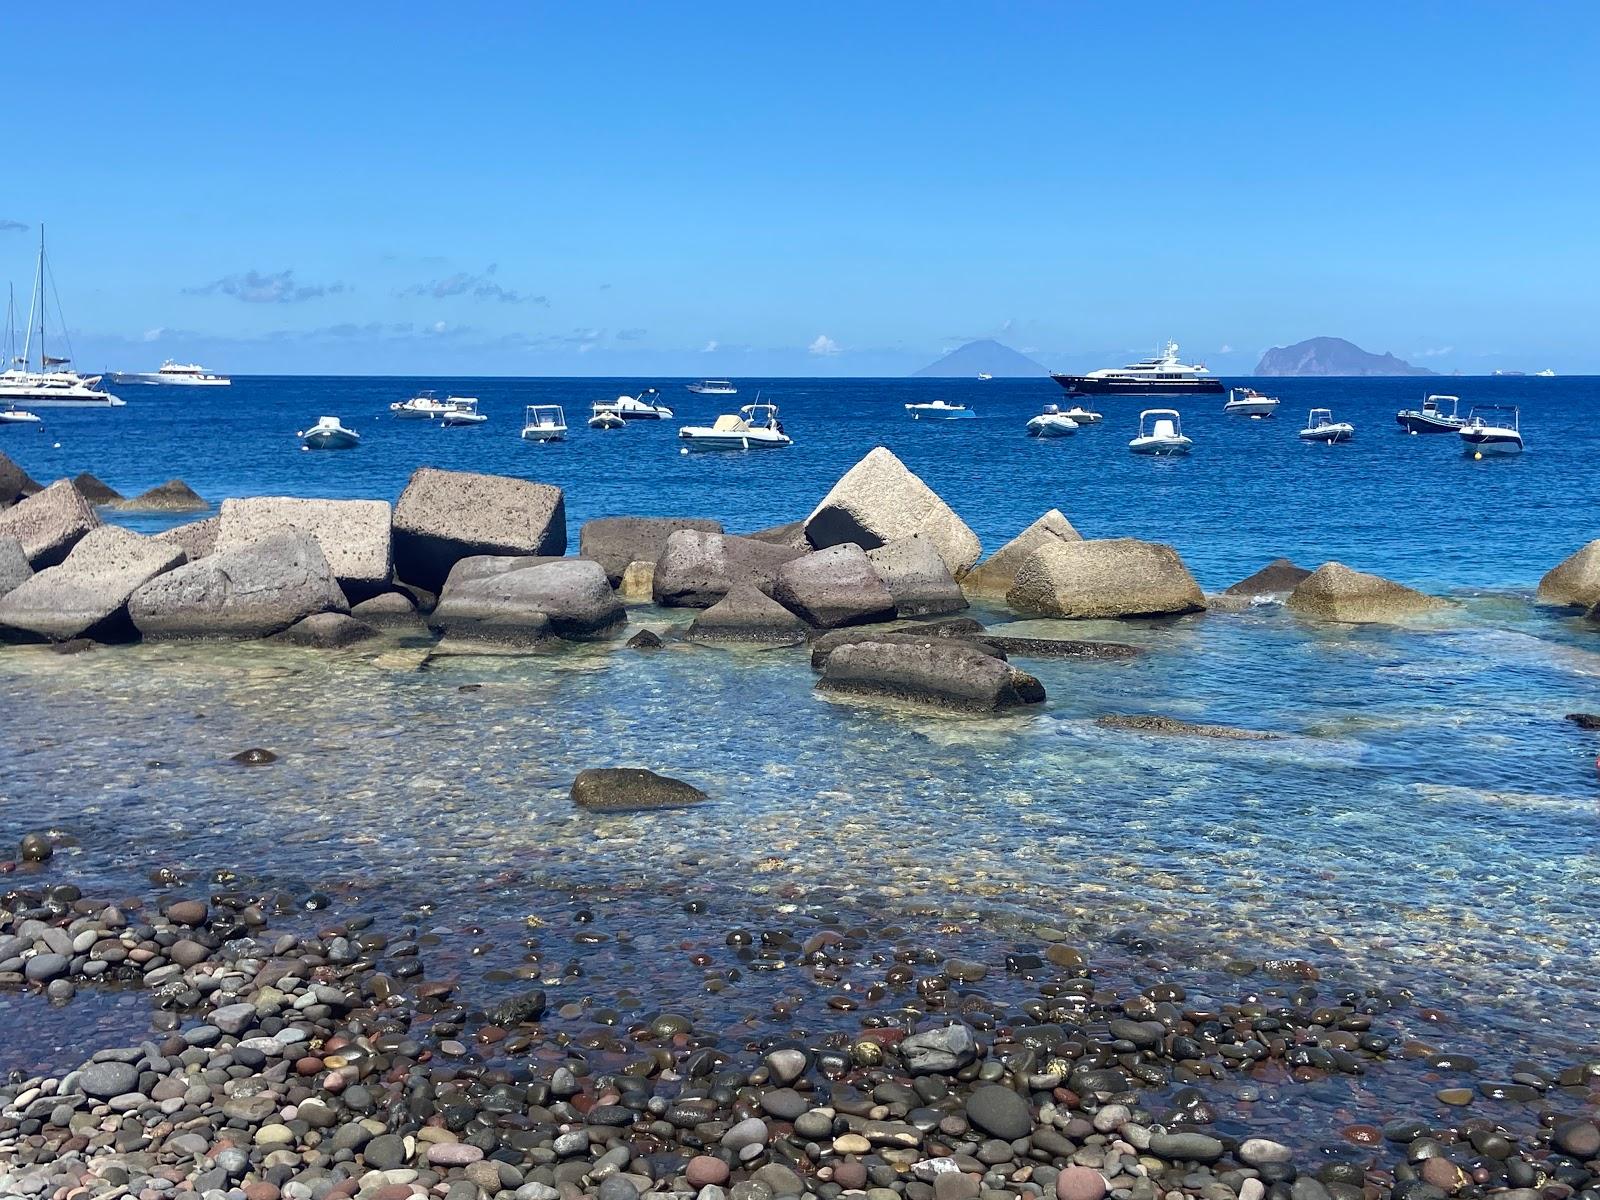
x=714, y=387
x=1247, y=402
x=1051, y=423
x=461, y=411
x=328, y=434
x=544, y=423
x=173, y=374
x=1321, y=427
x=984, y=376
x=753, y=427
x=54, y=384
x=939, y=410
x=645, y=406
x=13, y=415
x=1160, y=432
x=1163, y=375
x=424, y=406
x=1492, y=429
x=1547, y=373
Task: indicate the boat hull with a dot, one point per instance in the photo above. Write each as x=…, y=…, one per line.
x=544, y=435
x=1327, y=436
x=330, y=441
x=154, y=379
x=704, y=391
x=1041, y=427
x=1251, y=408
x=1084, y=385
x=628, y=414
x=1164, y=448
x=459, y=421
x=58, y=401
x=1491, y=443
x=708, y=440
x=940, y=414
x=18, y=418
x=1417, y=422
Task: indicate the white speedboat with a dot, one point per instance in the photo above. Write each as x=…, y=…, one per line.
x=1051, y=423
x=1160, y=432
x=1492, y=429
x=1438, y=414
x=54, y=384
x=1547, y=373
x=461, y=411
x=328, y=434
x=1321, y=427
x=643, y=407
x=544, y=423
x=985, y=376
x=1082, y=415
x=424, y=406
x=939, y=410
x=1163, y=375
x=753, y=427
x=606, y=420
x=714, y=387
x=173, y=374
x=12, y=415
x=1247, y=402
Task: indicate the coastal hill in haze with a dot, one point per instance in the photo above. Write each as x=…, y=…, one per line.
x=983, y=357
x=1332, y=356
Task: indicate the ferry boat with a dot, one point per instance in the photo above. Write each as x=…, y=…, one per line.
x=173, y=374
x=54, y=384
x=714, y=387
x=1163, y=375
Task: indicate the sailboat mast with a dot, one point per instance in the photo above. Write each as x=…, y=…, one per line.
x=43, y=303
x=33, y=304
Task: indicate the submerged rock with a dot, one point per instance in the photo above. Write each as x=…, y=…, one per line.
x=172, y=496
x=87, y=594
x=997, y=573
x=915, y=573
x=626, y=789
x=614, y=542
x=1278, y=577
x=1333, y=592
x=49, y=523
x=746, y=614
x=880, y=499
x=1117, y=577
x=944, y=673
x=445, y=516
x=326, y=631
x=354, y=534
x=834, y=587
x=560, y=598
x=94, y=490
x=1036, y=647
x=645, y=639
x=697, y=569
x=961, y=628
x=1142, y=723
x=1574, y=582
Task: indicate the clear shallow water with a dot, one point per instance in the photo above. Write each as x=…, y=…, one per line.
x=1428, y=821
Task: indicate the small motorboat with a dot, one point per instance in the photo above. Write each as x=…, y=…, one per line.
x=1247, y=402
x=1321, y=427
x=461, y=411
x=1492, y=429
x=12, y=415
x=754, y=427
x=643, y=407
x=424, y=406
x=1082, y=415
x=1438, y=414
x=1160, y=432
x=606, y=420
x=328, y=434
x=545, y=423
x=985, y=376
x=714, y=387
x=1051, y=423
x=939, y=410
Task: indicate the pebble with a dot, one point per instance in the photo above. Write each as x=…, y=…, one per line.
x=1080, y=1183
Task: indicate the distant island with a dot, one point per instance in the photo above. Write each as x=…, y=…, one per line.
x=983, y=357
x=1332, y=356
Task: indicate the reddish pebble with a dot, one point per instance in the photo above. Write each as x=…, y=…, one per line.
x=393, y=1191
x=1080, y=1183
x=307, y=1065
x=705, y=1171
x=850, y=1175
x=1362, y=1135
x=1443, y=1174
x=260, y=1191
x=453, y=1154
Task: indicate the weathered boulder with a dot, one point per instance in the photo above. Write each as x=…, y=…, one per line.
x=353, y=534
x=747, y=614
x=629, y=789
x=172, y=496
x=914, y=572
x=49, y=523
x=880, y=499
x=614, y=542
x=638, y=583
x=834, y=587
x=1278, y=577
x=15, y=483
x=1574, y=582
x=198, y=538
x=388, y=610
x=559, y=598
x=962, y=628
x=792, y=534
x=946, y=673
x=95, y=491
x=326, y=631
x=484, y=566
x=697, y=569
x=1333, y=592
x=14, y=568
x=250, y=592
x=87, y=594
x=1115, y=577
x=444, y=516
x=1037, y=647
x=995, y=575
x=1152, y=723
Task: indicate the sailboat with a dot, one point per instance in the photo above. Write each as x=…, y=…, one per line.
x=54, y=384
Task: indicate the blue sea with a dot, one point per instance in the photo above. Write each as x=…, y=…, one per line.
x=1426, y=827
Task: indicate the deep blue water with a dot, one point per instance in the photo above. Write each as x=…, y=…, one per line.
x=1412, y=507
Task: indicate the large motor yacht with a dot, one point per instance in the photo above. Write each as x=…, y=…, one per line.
x=173, y=374
x=54, y=384
x=1163, y=375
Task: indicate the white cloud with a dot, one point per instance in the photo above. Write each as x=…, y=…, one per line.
x=1224, y=349
x=710, y=347
x=154, y=335
x=1438, y=352
x=823, y=346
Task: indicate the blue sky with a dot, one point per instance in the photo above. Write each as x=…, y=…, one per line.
x=829, y=189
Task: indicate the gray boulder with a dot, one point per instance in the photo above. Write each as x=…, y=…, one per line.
x=198, y=538
x=14, y=568
x=1575, y=581
x=87, y=594
x=389, y=610
x=326, y=631
x=614, y=542
x=95, y=491
x=444, y=516
x=746, y=614
x=697, y=569
x=996, y=575
x=250, y=592
x=914, y=572
x=564, y=598
x=961, y=628
x=353, y=534
x=15, y=483
x=945, y=673
x=880, y=499
x=939, y=1051
x=1116, y=577
x=834, y=587
x=172, y=496
x=484, y=566
x=792, y=534
x=630, y=789
x=49, y=523
x=1278, y=577
x=1333, y=592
